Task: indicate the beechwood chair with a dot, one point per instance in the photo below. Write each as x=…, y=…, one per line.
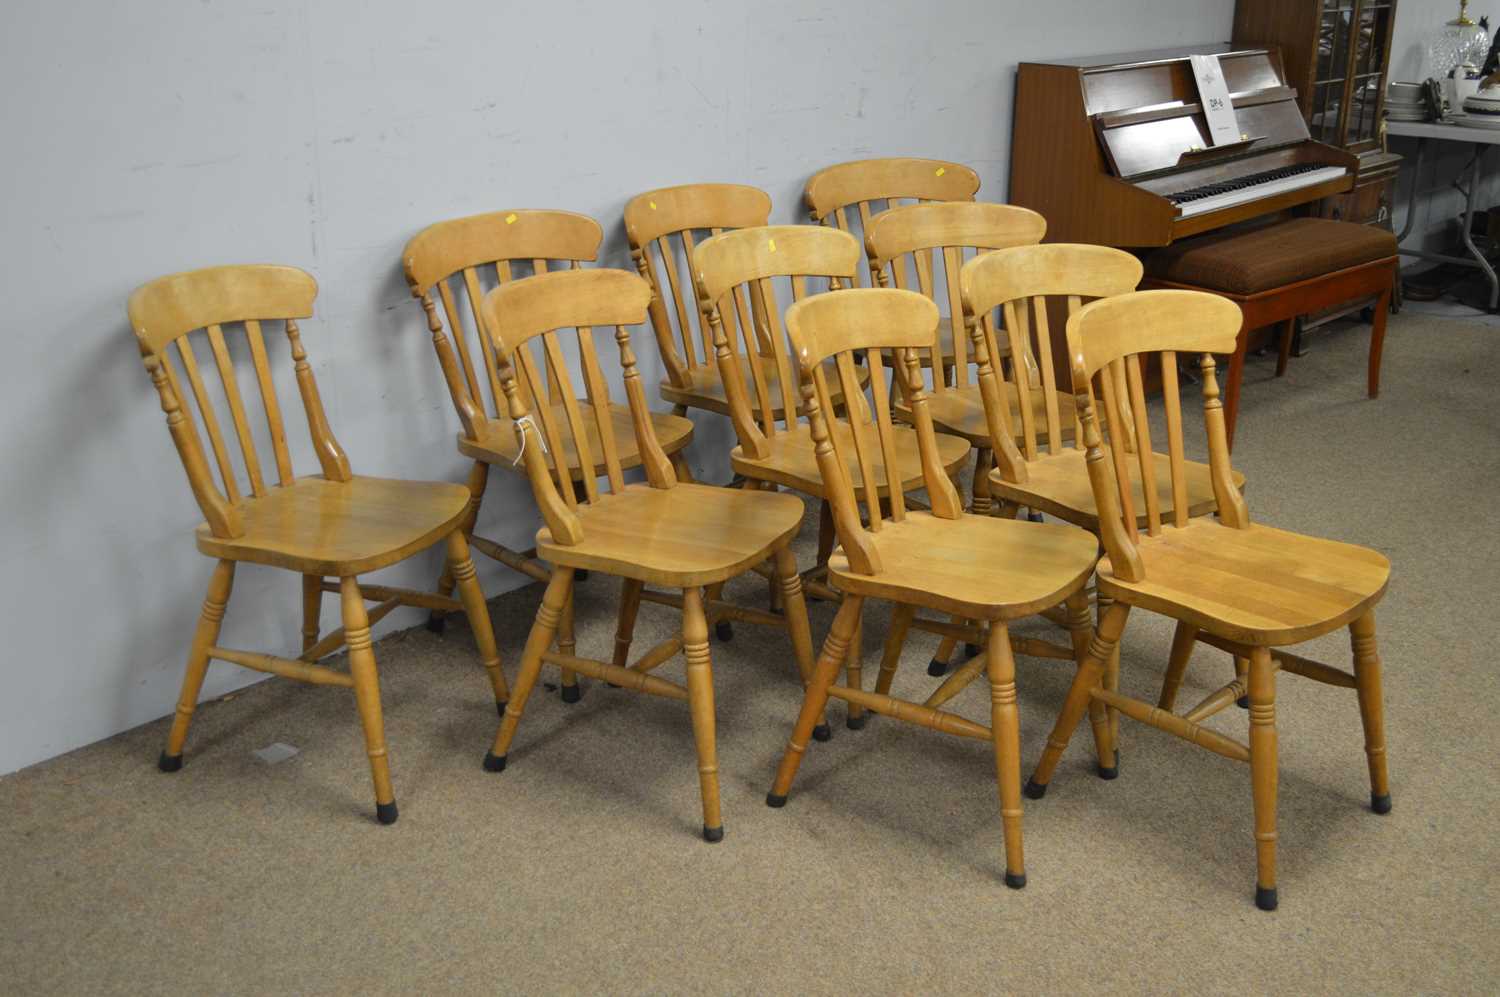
x=1026, y=413
x=663, y=226
x=776, y=449
x=662, y=532
x=1236, y=585
x=977, y=567
x=332, y=525
x=455, y=259
x=865, y=187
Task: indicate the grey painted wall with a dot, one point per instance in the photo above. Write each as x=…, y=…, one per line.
x=152, y=137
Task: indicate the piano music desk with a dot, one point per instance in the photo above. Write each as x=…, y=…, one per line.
x=1481, y=139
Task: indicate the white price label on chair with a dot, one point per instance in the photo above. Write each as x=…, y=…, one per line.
x=1213, y=93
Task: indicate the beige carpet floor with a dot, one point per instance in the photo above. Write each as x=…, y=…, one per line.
x=581, y=869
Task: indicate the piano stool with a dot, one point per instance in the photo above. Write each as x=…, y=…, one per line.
x=1278, y=271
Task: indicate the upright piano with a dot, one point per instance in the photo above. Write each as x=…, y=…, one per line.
x=1115, y=150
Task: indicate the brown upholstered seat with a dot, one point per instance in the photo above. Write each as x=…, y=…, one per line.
x=1241, y=261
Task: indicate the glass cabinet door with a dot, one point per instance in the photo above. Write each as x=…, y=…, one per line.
x=1367, y=79
x=1331, y=77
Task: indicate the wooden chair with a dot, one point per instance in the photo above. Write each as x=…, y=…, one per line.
x=1230, y=583
x=330, y=525
x=864, y=187
x=1054, y=480
x=448, y=257
x=977, y=567
x=663, y=532
x=907, y=238
x=776, y=449
x=667, y=219
x=1019, y=283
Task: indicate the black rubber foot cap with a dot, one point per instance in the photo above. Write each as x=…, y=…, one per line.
x=1033, y=516
x=712, y=834
x=581, y=575
x=1380, y=804
x=1035, y=790
x=857, y=723
x=437, y=622
x=1015, y=880
x=494, y=762
x=822, y=732
x=1243, y=702
x=972, y=650
x=571, y=693
x=724, y=631
x=1112, y=772
x=772, y=800
x=936, y=667
x=1265, y=898
x=500, y=709
x=171, y=763
x=386, y=812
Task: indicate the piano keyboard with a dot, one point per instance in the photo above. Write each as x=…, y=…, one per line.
x=1252, y=187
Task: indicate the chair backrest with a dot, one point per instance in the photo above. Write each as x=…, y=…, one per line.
x=747, y=263
x=867, y=186
x=1018, y=282
x=667, y=219
x=1106, y=340
x=164, y=314
x=523, y=318
x=898, y=241
x=839, y=324
x=456, y=257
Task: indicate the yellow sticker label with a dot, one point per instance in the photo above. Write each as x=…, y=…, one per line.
x=653, y=205
x=772, y=245
x=941, y=170
x=510, y=219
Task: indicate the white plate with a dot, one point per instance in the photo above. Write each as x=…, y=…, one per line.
x=1471, y=121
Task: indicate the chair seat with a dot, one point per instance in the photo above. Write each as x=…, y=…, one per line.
x=321, y=527
x=1249, y=261
x=975, y=566
x=792, y=461
x=960, y=410
x=685, y=535
x=1259, y=585
x=704, y=389
x=497, y=439
x=1058, y=484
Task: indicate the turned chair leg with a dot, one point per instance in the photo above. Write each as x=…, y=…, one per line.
x=630, y=604
x=1005, y=730
x=1371, y=708
x=981, y=505
x=1242, y=674
x=1090, y=672
x=1183, y=639
x=815, y=698
x=209, y=620
x=367, y=695
x=854, y=675
x=312, y=609
x=548, y=615
x=895, y=642
x=479, y=477
x=794, y=603
x=943, y=657
x=1112, y=683
x=700, y=686
x=571, y=691
x=1080, y=629
x=1263, y=772
x=461, y=566
x=827, y=535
